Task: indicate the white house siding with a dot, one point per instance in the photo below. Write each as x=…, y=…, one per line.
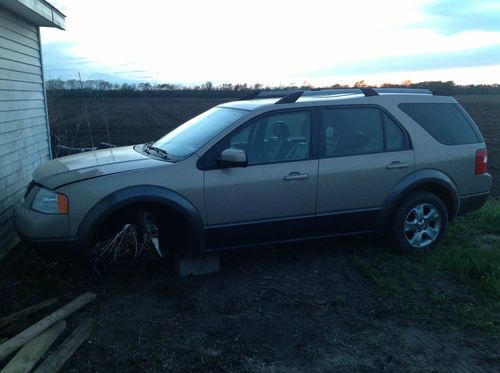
x=24, y=135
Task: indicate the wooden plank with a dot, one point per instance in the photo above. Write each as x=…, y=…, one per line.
x=16, y=56
x=25, y=336
x=68, y=347
x=18, y=25
x=6, y=160
x=23, y=173
x=18, y=47
x=32, y=352
x=19, y=66
x=21, y=133
x=26, y=143
x=22, y=114
x=27, y=311
x=20, y=86
x=13, y=35
x=20, y=76
x=21, y=105
x=22, y=123
x=13, y=195
x=28, y=161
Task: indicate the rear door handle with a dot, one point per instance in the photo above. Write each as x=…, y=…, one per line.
x=296, y=176
x=397, y=164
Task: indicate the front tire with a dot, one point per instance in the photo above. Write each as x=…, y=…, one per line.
x=419, y=224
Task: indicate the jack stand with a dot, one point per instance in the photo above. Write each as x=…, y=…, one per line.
x=150, y=229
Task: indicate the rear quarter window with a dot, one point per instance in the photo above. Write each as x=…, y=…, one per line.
x=445, y=122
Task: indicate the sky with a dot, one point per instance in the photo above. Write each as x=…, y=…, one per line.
x=275, y=42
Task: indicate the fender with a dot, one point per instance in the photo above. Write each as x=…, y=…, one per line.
x=145, y=193
x=413, y=181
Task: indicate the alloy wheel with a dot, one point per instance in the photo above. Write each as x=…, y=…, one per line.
x=422, y=225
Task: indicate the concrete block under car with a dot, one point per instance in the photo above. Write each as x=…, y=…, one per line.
x=197, y=266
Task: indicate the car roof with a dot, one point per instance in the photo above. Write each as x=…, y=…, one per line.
x=337, y=96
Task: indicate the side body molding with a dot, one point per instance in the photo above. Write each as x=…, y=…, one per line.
x=145, y=193
x=420, y=178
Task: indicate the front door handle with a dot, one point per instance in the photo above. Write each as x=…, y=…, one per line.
x=296, y=176
x=397, y=164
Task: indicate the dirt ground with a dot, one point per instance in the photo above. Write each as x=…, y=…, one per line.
x=303, y=308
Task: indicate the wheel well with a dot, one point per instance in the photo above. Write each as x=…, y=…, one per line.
x=439, y=190
x=170, y=222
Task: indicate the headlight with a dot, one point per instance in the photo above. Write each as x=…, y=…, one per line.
x=50, y=202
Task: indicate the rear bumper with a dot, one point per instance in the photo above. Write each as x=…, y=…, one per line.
x=472, y=202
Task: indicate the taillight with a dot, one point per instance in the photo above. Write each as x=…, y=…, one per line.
x=481, y=162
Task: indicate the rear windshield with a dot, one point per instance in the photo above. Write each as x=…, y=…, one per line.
x=447, y=123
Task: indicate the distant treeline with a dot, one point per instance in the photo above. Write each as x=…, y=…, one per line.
x=101, y=88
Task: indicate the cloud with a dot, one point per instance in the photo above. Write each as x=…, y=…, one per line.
x=486, y=56
x=454, y=16
x=60, y=62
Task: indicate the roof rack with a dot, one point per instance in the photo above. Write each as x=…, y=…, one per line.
x=290, y=96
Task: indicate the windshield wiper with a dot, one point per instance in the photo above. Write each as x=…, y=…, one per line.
x=149, y=146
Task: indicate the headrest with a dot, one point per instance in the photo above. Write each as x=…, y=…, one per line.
x=280, y=130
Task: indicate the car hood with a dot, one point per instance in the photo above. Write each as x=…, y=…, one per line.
x=77, y=167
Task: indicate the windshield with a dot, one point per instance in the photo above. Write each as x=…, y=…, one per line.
x=192, y=135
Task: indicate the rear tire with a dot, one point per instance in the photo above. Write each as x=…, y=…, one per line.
x=419, y=224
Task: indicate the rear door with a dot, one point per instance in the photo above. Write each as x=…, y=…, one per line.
x=274, y=197
x=364, y=152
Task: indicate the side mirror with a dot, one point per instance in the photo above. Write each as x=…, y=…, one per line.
x=232, y=157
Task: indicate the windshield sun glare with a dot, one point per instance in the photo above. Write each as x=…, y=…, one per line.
x=192, y=135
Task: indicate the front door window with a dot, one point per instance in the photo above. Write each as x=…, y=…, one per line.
x=275, y=138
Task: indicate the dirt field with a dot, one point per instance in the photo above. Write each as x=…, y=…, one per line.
x=120, y=121
x=338, y=305
x=307, y=308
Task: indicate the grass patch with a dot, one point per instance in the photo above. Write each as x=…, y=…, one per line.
x=471, y=249
x=458, y=282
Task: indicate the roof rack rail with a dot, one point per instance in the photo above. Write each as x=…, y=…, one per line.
x=288, y=99
x=420, y=91
x=250, y=96
x=369, y=92
x=333, y=91
x=290, y=96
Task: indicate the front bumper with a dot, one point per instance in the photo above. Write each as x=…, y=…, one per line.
x=53, y=247
x=44, y=232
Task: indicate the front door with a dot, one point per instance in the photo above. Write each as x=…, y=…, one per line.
x=273, y=198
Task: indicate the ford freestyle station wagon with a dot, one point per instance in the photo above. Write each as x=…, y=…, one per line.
x=272, y=167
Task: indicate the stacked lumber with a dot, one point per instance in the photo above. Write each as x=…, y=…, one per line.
x=33, y=342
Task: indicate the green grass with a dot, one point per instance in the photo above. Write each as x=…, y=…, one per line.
x=459, y=282
x=471, y=250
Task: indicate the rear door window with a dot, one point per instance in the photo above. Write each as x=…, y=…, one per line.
x=394, y=137
x=445, y=122
x=358, y=130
